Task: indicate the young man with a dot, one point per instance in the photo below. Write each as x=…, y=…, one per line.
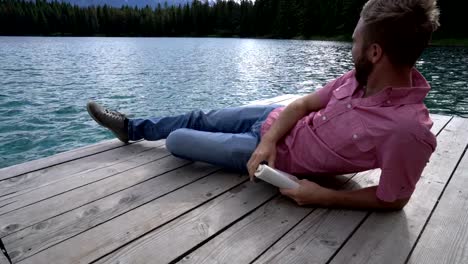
x=371, y=117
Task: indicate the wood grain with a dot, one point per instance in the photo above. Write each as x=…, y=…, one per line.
x=248, y=238
x=167, y=243
x=105, y=238
x=62, y=157
x=439, y=121
x=47, y=233
x=445, y=238
x=29, y=197
x=45, y=176
x=3, y=259
x=35, y=213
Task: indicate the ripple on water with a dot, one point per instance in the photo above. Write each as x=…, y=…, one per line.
x=67, y=110
x=14, y=104
x=117, y=97
x=19, y=144
x=10, y=112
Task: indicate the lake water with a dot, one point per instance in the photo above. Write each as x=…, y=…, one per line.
x=46, y=82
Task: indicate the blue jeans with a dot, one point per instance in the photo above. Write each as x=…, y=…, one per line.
x=225, y=137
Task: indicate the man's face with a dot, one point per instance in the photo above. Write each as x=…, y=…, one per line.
x=362, y=63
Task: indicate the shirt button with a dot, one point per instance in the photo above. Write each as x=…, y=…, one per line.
x=355, y=136
x=349, y=106
x=324, y=118
x=388, y=101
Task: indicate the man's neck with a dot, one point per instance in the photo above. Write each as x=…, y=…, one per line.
x=380, y=79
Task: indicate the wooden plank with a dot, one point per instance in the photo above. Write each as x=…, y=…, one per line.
x=45, y=176
x=59, y=158
x=374, y=241
x=185, y=234
x=315, y=239
x=105, y=238
x=248, y=238
x=32, y=214
x=322, y=232
x=31, y=196
x=445, y=237
x=3, y=259
x=167, y=243
x=439, y=121
x=45, y=234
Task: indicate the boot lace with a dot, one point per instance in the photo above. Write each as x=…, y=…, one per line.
x=114, y=114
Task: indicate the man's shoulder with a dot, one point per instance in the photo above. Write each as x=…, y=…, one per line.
x=347, y=76
x=408, y=124
x=340, y=80
x=344, y=84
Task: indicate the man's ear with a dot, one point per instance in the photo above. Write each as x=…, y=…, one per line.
x=375, y=53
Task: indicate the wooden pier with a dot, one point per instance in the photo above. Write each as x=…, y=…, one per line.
x=135, y=203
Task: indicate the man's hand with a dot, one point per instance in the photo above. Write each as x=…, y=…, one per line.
x=308, y=193
x=265, y=151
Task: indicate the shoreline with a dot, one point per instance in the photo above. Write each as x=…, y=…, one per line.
x=438, y=42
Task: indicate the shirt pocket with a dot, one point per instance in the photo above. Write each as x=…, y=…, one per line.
x=346, y=135
x=333, y=130
x=361, y=138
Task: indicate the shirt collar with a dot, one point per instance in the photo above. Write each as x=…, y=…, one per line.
x=399, y=95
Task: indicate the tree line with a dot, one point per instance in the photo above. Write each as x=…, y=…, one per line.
x=260, y=18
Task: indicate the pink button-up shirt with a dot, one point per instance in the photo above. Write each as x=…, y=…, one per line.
x=389, y=130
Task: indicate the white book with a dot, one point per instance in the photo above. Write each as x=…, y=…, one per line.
x=276, y=177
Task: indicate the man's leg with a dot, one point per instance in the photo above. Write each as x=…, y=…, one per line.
x=227, y=150
x=229, y=120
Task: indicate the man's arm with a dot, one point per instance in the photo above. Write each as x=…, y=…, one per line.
x=362, y=199
x=310, y=193
x=287, y=119
x=266, y=150
x=303, y=106
x=291, y=114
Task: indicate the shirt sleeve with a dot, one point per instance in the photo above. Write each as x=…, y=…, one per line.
x=325, y=92
x=402, y=159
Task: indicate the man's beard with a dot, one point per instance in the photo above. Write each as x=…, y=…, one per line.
x=363, y=69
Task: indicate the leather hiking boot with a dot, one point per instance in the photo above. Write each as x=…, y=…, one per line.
x=112, y=120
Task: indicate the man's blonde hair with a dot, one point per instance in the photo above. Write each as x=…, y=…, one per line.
x=403, y=28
